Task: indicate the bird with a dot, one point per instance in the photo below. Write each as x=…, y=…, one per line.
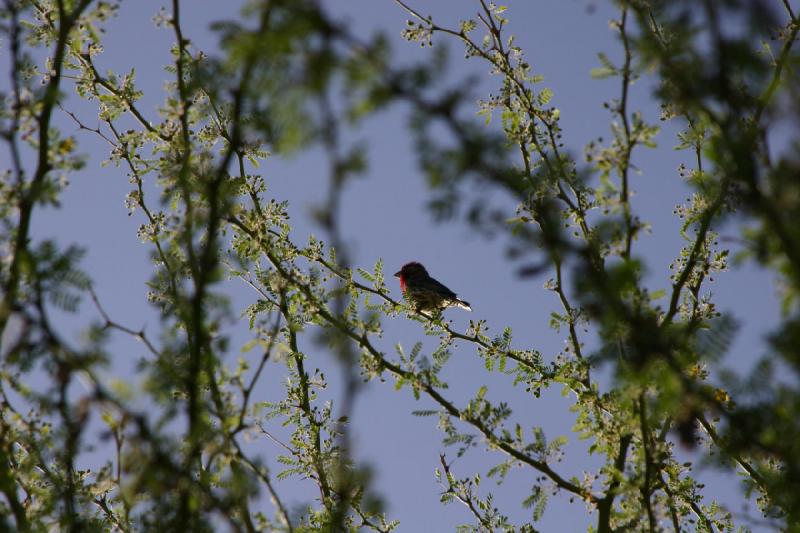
x=426, y=292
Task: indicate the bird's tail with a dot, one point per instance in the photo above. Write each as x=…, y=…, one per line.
x=462, y=304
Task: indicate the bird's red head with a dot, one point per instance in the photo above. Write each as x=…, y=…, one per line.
x=411, y=270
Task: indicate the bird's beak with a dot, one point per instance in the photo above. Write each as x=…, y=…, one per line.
x=397, y=274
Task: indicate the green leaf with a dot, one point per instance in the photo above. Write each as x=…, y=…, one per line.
x=606, y=70
x=544, y=96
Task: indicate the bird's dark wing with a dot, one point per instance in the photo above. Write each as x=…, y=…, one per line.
x=434, y=285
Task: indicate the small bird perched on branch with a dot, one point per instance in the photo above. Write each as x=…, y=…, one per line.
x=426, y=292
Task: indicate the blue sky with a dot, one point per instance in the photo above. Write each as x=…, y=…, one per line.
x=384, y=217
